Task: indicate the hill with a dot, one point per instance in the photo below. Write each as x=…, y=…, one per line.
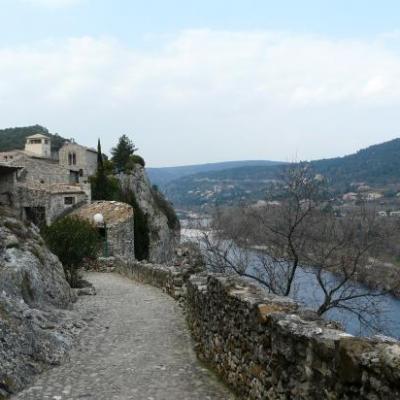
x=377, y=166
x=162, y=176
x=14, y=138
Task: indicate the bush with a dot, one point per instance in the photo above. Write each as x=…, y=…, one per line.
x=72, y=239
x=134, y=160
x=104, y=187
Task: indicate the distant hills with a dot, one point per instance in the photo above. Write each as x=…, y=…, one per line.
x=377, y=166
x=162, y=176
x=14, y=138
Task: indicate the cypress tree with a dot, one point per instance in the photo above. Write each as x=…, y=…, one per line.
x=100, y=164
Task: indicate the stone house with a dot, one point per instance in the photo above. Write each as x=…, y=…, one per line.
x=47, y=203
x=80, y=160
x=8, y=181
x=116, y=227
x=45, y=185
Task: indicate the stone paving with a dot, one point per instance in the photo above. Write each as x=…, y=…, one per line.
x=136, y=346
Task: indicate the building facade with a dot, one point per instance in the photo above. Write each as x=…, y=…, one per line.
x=38, y=145
x=79, y=159
x=44, y=186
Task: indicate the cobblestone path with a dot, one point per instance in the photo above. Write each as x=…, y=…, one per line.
x=136, y=347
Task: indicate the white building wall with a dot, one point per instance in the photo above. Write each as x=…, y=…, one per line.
x=41, y=149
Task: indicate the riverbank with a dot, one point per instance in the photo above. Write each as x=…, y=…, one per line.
x=383, y=315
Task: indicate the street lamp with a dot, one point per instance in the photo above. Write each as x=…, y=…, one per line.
x=100, y=221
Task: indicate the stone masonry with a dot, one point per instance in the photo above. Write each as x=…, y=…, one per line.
x=136, y=346
x=267, y=347
x=119, y=223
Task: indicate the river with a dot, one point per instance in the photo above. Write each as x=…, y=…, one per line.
x=384, y=314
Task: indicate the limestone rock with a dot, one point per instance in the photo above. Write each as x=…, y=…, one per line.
x=162, y=239
x=34, y=302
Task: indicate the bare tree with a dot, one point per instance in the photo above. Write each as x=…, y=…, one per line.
x=301, y=230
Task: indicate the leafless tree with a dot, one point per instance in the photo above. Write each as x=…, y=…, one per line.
x=300, y=229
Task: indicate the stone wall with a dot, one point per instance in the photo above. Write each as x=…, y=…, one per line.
x=171, y=280
x=121, y=239
x=57, y=206
x=39, y=171
x=53, y=203
x=7, y=183
x=267, y=347
x=86, y=159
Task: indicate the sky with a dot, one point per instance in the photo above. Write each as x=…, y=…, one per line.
x=207, y=80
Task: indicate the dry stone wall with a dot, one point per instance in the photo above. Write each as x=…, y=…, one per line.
x=172, y=280
x=267, y=347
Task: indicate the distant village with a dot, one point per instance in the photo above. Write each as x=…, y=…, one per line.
x=207, y=193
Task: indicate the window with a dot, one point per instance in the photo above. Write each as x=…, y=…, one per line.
x=69, y=159
x=74, y=158
x=46, y=141
x=35, y=141
x=68, y=201
x=73, y=177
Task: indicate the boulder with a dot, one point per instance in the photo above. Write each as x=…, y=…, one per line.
x=36, y=328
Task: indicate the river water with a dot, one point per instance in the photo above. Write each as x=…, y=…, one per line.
x=383, y=315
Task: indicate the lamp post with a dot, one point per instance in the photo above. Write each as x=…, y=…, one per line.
x=99, y=220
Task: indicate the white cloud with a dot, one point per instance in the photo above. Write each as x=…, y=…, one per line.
x=215, y=86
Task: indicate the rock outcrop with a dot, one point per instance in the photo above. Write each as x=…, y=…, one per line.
x=36, y=328
x=163, y=237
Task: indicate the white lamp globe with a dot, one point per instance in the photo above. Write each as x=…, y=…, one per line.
x=98, y=219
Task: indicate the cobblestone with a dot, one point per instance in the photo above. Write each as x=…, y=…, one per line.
x=136, y=347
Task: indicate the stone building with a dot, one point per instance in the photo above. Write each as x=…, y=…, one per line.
x=80, y=160
x=43, y=205
x=39, y=145
x=117, y=226
x=8, y=181
x=45, y=186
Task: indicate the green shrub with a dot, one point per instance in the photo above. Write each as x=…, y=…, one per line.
x=134, y=160
x=72, y=239
x=104, y=187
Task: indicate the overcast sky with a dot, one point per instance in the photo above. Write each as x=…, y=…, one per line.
x=193, y=81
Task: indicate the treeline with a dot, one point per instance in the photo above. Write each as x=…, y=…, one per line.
x=375, y=165
x=15, y=138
